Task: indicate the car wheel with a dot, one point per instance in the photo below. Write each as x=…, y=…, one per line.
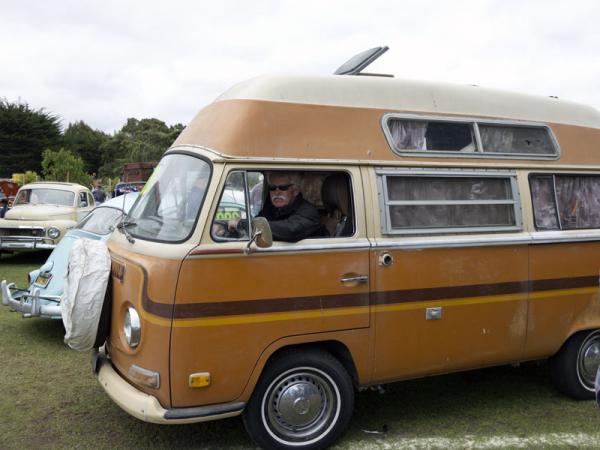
x=573, y=368
x=303, y=400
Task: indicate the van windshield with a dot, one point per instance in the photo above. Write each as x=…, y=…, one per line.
x=170, y=202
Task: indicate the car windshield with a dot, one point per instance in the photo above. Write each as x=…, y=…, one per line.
x=101, y=220
x=170, y=202
x=43, y=196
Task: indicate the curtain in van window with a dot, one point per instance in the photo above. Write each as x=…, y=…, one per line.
x=439, y=202
x=578, y=200
x=496, y=139
x=408, y=134
x=516, y=140
x=544, y=207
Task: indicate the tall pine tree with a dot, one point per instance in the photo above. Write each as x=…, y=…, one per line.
x=24, y=134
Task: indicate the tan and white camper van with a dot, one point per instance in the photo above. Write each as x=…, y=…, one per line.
x=461, y=229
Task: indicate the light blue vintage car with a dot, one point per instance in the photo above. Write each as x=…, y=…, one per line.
x=42, y=298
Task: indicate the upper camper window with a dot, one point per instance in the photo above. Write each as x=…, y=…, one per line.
x=319, y=205
x=422, y=202
x=468, y=137
x=565, y=202
x=168, y=207
x=523, y=140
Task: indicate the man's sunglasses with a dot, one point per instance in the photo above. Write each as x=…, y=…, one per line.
x=280, y=187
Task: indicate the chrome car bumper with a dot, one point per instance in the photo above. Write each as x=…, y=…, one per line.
x=25, y=243
x=31, y=304
x=147, y=407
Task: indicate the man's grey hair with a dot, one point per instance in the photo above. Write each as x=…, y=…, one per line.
x=294, y=177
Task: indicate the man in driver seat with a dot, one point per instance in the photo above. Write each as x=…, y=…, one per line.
x=290, y=216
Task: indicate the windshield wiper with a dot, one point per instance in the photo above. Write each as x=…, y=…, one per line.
x=126, y=223
x=122, y=227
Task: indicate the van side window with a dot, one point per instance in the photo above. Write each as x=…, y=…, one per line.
x=521, y=140
x=431, y=136
x=328, y=191
x=422, y=202
x=469, y=137
x=233, y=205
x=565, y=202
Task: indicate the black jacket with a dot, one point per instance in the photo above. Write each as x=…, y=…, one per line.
x=293, y=222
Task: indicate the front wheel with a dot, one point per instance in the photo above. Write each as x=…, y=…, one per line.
x=303, y=400
x=574, y=367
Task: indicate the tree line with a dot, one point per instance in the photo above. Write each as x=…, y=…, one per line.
x=33, y=141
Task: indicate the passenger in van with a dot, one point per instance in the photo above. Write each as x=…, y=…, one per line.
x=290, y=216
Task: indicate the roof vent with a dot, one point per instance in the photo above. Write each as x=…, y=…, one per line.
x=356, y=64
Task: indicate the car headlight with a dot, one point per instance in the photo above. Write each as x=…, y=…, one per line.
x=53, y=232
x=132, y=327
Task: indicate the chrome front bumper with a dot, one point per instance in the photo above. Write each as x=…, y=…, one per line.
x=25, y=243
x=147, y=407
x=30, y=303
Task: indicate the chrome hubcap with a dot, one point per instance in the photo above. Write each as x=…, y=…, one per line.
x=300, y=405
x=299, y=402
x=589, y=360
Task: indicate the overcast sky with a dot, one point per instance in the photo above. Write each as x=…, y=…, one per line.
x=105, y=61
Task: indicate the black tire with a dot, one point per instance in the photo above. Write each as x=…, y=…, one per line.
x=573, y=368
x=308, y=387
x=105, y=315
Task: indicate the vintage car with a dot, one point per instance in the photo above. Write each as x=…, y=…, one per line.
x=43, y=296
x=42, y=213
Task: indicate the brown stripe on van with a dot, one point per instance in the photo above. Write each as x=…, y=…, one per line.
x=264, y=306
x=232, y=308
x=158, y=309
x=564, y=283
x=448, y=292
x=481, y=290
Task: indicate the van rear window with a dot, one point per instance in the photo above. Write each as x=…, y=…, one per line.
x=565, y=202
x=422, y=202
x=468, y=138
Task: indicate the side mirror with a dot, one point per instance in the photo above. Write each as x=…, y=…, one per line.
x=262, y=235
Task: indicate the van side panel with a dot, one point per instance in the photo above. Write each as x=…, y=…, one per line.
x=231, y=308
x=482, y=293
x=564, y=297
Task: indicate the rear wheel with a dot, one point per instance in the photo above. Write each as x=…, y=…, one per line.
x=574, y=367
x=303, y=400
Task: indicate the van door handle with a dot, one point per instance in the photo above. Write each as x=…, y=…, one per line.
x=356, y=279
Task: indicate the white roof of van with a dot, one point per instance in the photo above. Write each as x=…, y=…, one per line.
x=413, y=96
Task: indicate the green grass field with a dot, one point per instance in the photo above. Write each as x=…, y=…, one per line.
x=49, y=399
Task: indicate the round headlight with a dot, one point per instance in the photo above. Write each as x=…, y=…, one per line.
x=53, y=233
x=132, y=327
